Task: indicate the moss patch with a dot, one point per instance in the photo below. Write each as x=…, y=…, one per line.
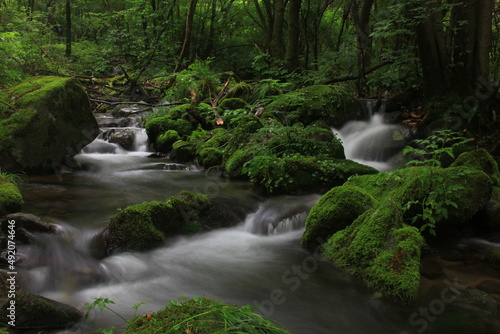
x=11, y=199
x=203, y=316
x=145, y=226
x=336, y=210
x=329, y=103
x=480, y=160
x=48, y=119
x=381, y=250
x=410, y=185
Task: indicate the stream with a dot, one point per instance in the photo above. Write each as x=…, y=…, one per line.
x=258, y=262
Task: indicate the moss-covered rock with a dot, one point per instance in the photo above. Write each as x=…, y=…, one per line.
x=203, y=316
x=455, y=194
x=329, y=103
x=381, y=249
x=44, y=122
x=145, y=226
x=209, y=157
x=37, y=312
x=481, y=160
x=159, y=125
x=196, y=114
x=183, y=152
x=11, y=199
x=165, y=141
x=301, y=174
x=336, y=210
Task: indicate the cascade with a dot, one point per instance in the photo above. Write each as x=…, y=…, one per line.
x=372, y=141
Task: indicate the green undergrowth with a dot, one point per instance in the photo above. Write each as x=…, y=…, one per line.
x=203, y=316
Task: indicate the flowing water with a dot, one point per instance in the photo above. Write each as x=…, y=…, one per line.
x=258, y=262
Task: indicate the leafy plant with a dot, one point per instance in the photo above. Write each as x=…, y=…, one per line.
x=102, y=304
x=17, y=179
x=430, y=152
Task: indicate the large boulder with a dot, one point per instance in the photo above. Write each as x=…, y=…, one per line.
x=37, y=312
x=336, y=210
x=44, y=122
x=444, y=199
x=320, y=102
x=382, y=250
x=145, y=226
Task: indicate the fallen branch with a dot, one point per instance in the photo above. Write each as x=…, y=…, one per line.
x=114, y=103
x=356, y=77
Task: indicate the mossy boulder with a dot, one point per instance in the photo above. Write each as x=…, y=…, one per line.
x=159, y=125
x=382, y=250
x=320, y=102
x=183, y=152
x=44, y=122
x=453, y=194
x=165, y=141
x=335, y=210
x=301, y=174
x=145, y=226
x=280, y=142
x=200, y=114
x=37, y=312
x=209, y=157
x=203, y=316
x=481, y=160
x=11, y=199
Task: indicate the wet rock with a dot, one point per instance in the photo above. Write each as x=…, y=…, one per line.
x=37, y=312
x=124, y=138
x=28, y=222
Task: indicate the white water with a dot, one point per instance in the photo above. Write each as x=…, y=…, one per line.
x=372, y=142
x=244, y=264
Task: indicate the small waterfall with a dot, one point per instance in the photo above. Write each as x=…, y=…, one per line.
x=372, y=142
x=280, y=215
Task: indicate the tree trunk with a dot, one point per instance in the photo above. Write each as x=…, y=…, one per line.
x=293, y=49
x=361, y=18
x=68, y=28
x=187, y=34
x=277, y=37
x=434, y=57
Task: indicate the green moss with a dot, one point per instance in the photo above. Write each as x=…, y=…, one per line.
x=210, y=156
x=381, y=250
x=196, y=114
x=40, y=100
x=145, y=226
x=183, y=151
x=232, y=104
x=203, y=316
x=159, y=125
x=336, y=210
x=11, y=199
x=481, y=160
x=329, y=103
x=165, y=141
x=234, y=165
x=412, y=185
x=301, y=174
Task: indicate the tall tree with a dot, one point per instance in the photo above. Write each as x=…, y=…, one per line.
x=187, y=34
x=68, y=28
x=361, y=16
x=293, y=47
